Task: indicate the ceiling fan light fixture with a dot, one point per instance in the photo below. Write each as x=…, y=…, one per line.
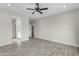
x=37, y=9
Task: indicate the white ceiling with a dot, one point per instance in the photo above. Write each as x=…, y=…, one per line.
x=53, y=8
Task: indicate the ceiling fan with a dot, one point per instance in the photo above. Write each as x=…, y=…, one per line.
x=37, y=9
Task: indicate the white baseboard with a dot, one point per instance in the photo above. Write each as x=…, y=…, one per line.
x=4, y=44
x=24, y=40
x=70, y=44
x=66, y=43
x=8, y=43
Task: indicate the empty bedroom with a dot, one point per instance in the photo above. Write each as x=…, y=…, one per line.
x=39, y=29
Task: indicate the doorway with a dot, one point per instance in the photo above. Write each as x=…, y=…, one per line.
x=32, y=31
x=16, y=28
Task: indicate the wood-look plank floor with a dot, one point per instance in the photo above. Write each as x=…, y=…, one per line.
x=39, y=47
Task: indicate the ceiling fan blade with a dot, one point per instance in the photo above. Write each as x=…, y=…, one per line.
x=33, y=12
x=30, y=9
x=40, y=12
x=44, y=9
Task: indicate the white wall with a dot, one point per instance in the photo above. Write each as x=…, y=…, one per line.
x=25, y=28
x=63, y=28
x=6, y=27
